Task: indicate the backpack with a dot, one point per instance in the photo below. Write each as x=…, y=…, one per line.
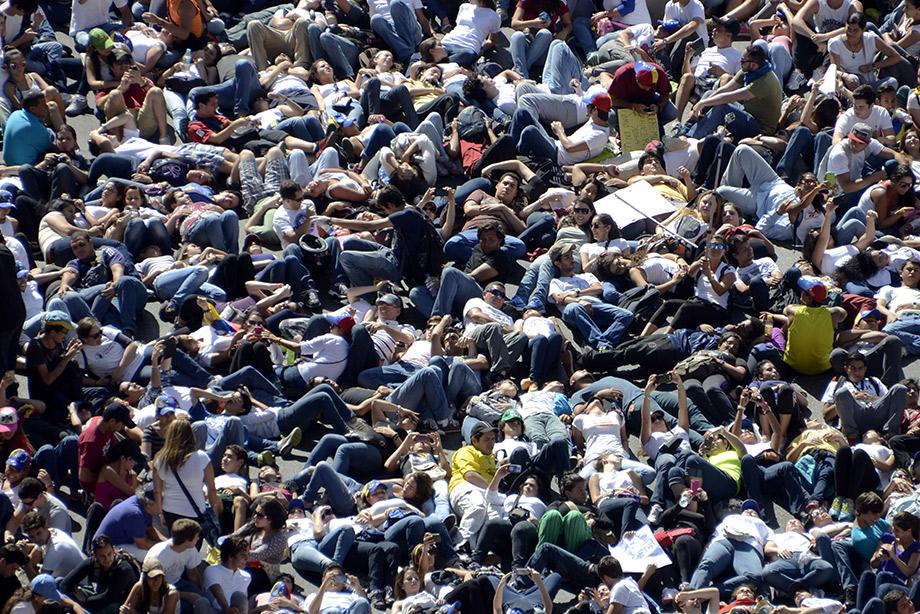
x=428, y=261
x=171, y=170
x=471, y=125
x=642, y=302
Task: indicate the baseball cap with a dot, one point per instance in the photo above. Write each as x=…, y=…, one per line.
x=343, y=321
x=18, y=459
x=120, y=412
x=373, y=486
x=6, y=199
x=868, y=313
x=511, y=414
x=46, y=586
x=249, y=240
x=860, y=132
x=21, y=271
x=670, y=26
x=9, y=420
x=646, y=74
x=558, y=250
x=100, y=39
x=729, y=23
x=165, y=404
x=887, y=85
x=59, y=318
x=481, y=428
x=296, y=503
x=121, y=54
x=599, y=100
x=153, y=567
x=750, y=504
x=389, y=299
x=814, y=287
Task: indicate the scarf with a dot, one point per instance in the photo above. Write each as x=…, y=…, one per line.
x=750, y=77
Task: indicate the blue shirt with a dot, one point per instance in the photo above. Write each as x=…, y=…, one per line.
x=865, y=541
x=125, y=521
x=25, y=138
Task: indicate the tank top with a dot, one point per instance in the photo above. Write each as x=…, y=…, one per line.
x=810, y=340
x=197, y=29
x=48, y=235
x=729, y=463
x=704, y=286
x=612, y=482
x=828, y=19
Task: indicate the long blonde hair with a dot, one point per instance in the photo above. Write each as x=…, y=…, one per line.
x=178, y=446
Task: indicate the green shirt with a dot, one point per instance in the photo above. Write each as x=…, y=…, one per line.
x=767, y=100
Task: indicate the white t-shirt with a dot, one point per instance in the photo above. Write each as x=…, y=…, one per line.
x=594, y=135
x=329, y=353
x=879, y=120
x=104, y=358
x=704, y=288
x=506, y=100
x=91, y=13
x=496, y=315
x=474, y=25
x=657, y=439
x=836, y=256
x=841, y=159
x=684, y=14
x=897, y=297
x=849, y=61
x=174, y=563
x=872, y=385
x=638, y=16
x=728, y=59
x=155, y=264
x=763, y=267
x=230, y=581
x=339, y=601
x=61, y=554
x=753, y=531
x=286, y=219
x=192, y=475
x=601, y=433
x=580, y=281
x=626, y=592
x=659, y=270
x=19, y=251
x=593, y=250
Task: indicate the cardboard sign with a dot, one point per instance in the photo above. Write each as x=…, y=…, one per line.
x=636, y=129
x=633, y=203
x=635, y=551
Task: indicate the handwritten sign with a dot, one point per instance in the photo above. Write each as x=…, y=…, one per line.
x=636, y=129
x=635, y=551
x=633, y=203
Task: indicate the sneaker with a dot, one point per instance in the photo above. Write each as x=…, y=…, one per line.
x=796, y=81
x=338, y=290
x=289, y=442
x=388, y=596
x=313, y=303
x=77, y=106
x=266, y=458
x=834, y=511
x=378, y=600
x=847, y=510
x=450, y=521
x=654, y=514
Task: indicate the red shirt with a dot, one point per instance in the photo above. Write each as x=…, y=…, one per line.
x=91, y=449
x=625, y=87
x=533, y=8
x=201, y=130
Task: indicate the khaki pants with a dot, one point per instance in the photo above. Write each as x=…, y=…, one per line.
x=266, y=42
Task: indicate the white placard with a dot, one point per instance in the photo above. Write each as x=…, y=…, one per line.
x=645, y=201
x=637, y=549
x=829, y=85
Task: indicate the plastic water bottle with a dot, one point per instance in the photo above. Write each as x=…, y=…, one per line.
x=187, y=58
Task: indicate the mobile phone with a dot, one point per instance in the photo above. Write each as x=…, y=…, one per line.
x=694, y=485
x=258, y=330
x=514, y=468
x=663, y=378
x=435, y=539
x=423, y=438
x=830, y=179
x=341, y=578
x=698, y=46
x=169, y=347
x=521, y=571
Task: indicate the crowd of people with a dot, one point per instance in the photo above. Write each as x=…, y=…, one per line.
x=409, y=248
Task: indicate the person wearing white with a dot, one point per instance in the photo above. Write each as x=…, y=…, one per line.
x=226, y=584
x=739, y=541
x=59, y=553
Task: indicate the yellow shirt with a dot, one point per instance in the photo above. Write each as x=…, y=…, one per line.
x=809, y=340
x=728, y=462
x=468, y=458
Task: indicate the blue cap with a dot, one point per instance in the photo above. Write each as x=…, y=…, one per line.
x=750, y=504
x=165, y=404
x=6, y=199
x=59, y=318
x=46, y=586
x=18, y=459
x=21, y=271
x=669, y=25
x=747, y=424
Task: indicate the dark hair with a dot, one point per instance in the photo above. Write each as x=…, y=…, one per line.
x=864, y=92
x=761, y=365
x=609, y=567
x=140, y=191
x=424, y=488
x=570, y=481
x=892, y=598
x=473, y=88
x=730, y=334
x=825, y=111
x=204, y=97
x=34, y=520
x=125, y=448
x=11, y=553
x=101, y=541
x=390, y=196
x=80, y=234
x=493, y=226
x=907, y=522
x=311, y=74
x=30, y=488
x=649, y=155
x=852, y=357
x=234, y=544
x=756, y=53
x=856, y=268
x=869, y=503
x=273, y=510
x=9, y=53
x=858, y=19
x=31, y=99
x=239, y=452
x=185, y=530
x=425, y=47
x=26, y=6
x=289, y=189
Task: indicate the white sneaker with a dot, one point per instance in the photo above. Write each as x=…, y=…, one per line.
x=77, y=106
x=796, y=81
x=654, y=514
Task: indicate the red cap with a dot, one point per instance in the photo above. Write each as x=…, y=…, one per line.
x=599, y=100
x=646, y=74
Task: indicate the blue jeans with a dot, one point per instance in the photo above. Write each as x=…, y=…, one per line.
x=59, y=460
x=809, y=573
x=310, y=556
x=386, y=375
x=460, y=247
x=728, y=556
x=743, y=125
x=776, y=483
x=529, y=136
x=362, y=261
x=462, y=56
x=351, y=459
x=401, y=33
x=290, y=270
x=261, y=388
x=583, y=35
x=423, y=393
x=381, y=136
x=185, y=370
x=907, y=329
x=232, y=432
x=549, y=558
x=462, y=381
x=406, y=533
x=850, y=226
x=545, y=354
x=339, y=489
x=719, y=485
x=233, y=95
x=307, y=128
x=524, y=53
x=320, y=401
x=341, y=53
x=533, y=290
x=122, y=311
x=395, y=102
x=540, y=231
x=221, y=231
x=613, y=320
x=805, y=146
x=173, y=286
x=561, y=67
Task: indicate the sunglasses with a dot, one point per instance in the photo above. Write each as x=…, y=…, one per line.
x=717, y=246
x=259, y=514
x=581, y=210
x=597, y=225
x=498, y=293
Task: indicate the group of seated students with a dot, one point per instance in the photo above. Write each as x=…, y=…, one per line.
x=351, y=304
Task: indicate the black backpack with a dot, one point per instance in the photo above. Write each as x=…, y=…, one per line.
x=171, y=170
x=471, y=125
x=429, y=259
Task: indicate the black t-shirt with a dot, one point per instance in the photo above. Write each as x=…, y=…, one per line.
x=500, y=261
x=37, y=354
x=8, y=586
x=410, y=232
